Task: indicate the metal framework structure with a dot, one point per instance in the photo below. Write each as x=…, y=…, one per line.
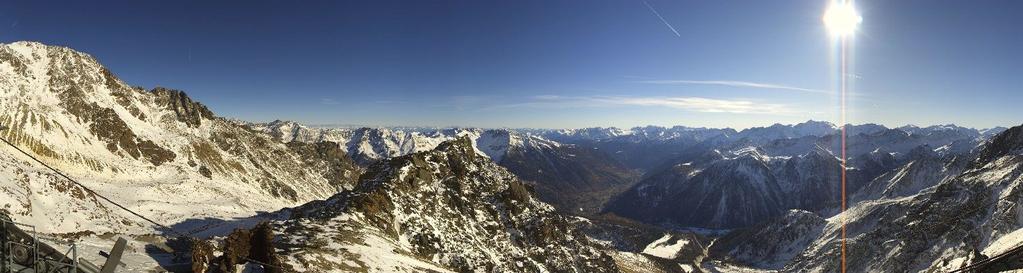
x=22, y=251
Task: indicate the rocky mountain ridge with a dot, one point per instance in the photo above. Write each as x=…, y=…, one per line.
x=575, y=177
x=448, y=209
x=170, y=152
x=931, y=214
x=722, y=176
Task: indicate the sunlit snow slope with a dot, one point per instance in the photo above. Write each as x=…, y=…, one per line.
x=156, y=151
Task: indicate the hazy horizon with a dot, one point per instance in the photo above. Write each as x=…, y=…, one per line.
x=355, y=126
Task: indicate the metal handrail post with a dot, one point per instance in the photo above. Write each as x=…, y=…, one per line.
x=3, y=247
x=35, y=245
x=7, y=245
x=73, y=253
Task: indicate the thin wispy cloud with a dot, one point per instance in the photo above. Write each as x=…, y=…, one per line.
x=329, y=101
x=466, y=101
x=390, y=101
x=658, y=14
x=741, y=84
x=695, y=104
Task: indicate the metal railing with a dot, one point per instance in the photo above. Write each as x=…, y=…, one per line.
x=27, y=243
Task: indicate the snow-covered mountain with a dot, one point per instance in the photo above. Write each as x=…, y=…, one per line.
x=365, y=145
x=574, y=177
x=470, y=199
x=771, y=244
x=940, y=228
x=155, y=150
x=725, y=193
x=445, y=210
x=575, y=135
x=935, y=213
x=779, y=131
x=760, y=173
x=924, y=168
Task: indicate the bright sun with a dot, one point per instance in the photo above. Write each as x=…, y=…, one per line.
x=841, y=19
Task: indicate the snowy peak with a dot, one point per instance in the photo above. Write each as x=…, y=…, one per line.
x=370, y=144
x=445, y=209
x=727, y=193
x=780, y=131
x=460, y=148
x=657, y=133
x=286, y=131
x=815, y=128
x=894, y=134
x=64, y=107
x=990, y=132
x=587, y=134
x=1009, y=142
x=946, y=130
x=560, y=172
x=495, y=143
x=967, y=193
x=54, y=89
x=188, y=111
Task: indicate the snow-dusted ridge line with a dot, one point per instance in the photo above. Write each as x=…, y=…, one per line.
x=629, y=130
x=660, y=133
x=367, y=144
x=450, y=208
x=178, y=160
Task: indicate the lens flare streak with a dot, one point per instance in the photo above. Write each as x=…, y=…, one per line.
x=841, y=20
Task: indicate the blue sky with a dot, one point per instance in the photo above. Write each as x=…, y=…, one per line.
x=551, y=63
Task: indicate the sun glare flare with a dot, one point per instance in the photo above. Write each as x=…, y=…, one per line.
x=841, y=19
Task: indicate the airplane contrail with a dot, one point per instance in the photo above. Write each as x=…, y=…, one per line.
x=662, y=19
